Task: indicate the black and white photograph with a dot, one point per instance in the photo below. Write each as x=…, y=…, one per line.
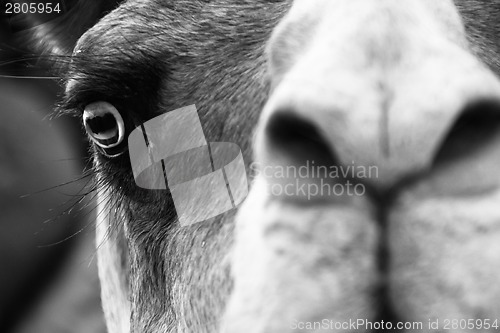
x=249, y=166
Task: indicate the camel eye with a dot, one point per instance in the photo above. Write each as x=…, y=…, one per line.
x=104, y=125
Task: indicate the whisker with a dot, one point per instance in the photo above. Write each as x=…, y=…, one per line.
x=30, y=77
x=57, y=186
x=86, y=225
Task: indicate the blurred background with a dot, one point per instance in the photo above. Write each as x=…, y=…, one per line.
x=48, y=274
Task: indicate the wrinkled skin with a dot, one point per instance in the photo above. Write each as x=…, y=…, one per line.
x=409, y=86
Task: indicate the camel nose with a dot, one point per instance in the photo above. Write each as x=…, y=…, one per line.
x=397, y=101
x=294, y=140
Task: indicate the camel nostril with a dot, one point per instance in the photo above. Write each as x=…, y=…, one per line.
x=478, y=125
x=297, y=141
